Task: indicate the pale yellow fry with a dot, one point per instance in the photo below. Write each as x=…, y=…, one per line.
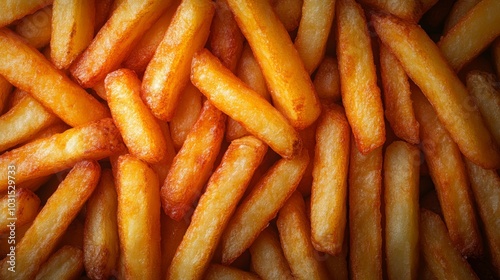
x=36, y=28
x=460, y=8
x=18, y=207
x=15, y=9
x=224, y=190
x=65, y=264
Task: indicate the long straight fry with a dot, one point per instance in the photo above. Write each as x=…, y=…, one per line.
x=66, y=263
x=14, y=9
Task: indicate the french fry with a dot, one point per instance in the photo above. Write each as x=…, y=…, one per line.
x=141, y=132
x=426, y=5
x=261, y=205
x=50, y=224
x=408, y=10
x=289, y=12
x=289, y=83
x=102, y=11
x=163, y=167
x=293, y=227
x=459, y=9
x=72, y=30
x=365, y=229
x=329, y=185
x=18, y=207
x=139, y=209
x=358, y=81
x=4, y=239
x=401, y=190
x=115, y=39
x=168, y=71
x=242, y=104
x=58, y=152
x=268, y=260
x=41, y=79
x=327, y=80
x=66, y=263
x=397, y=97
x=218, y=271
x=224, y=190
x=314, y=28
x=73, y=236
x=36, y=28
x=100, y=236
x=193, y=164
x=449, y=175
x=53, y=129
x=5, y=89
x=423, y=62
x=172, y=232
x=442, y=258
x=337, y=264
x=13, y=9
x=478, y=28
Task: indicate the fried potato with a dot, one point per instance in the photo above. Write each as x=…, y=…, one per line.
x=58, y=152
x=50, y=87
x=163, y=167
x=14, y=9
x=247, y=107
x=102, y=11
x=115, y=39
x=423, y=62
x=66, y=263
x=295, y=236
x=289, y=83
x=460, y=8
x=19, y=207
x=224, y=190
x=358, y=81
x=327, y=80
x=168, y=71
x=410, y=10
x=52, y=221
x=172, y=232
x=218, y=271
x=261, y=205
x=401, y=190
x=36, y=28
x=289, y=12
x=194, y=162
x=329, y=185
x=449, y=175
x=337, y=264
x=5, y=90
x=139, y=209
x=100, y=236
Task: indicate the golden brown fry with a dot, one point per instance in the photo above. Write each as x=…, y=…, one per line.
x=473, y=33
x=327, y=80
x=424, y=63
x=115, y=39
x=50, y=87
x=185, y=116
x=168, y=72
x=19, y=207
x=5, y=90
x=459, y=9
x=360, y=93
x=52, y=221
x=224, y=190
x=401, y=190
x=55, y=128
x=239, y=102
x=15, y=9
x=172, y=232
x=36, y=28
x=139, y=209
x=45, y=156
x=66, y=263
x=337, y=265
x=193, y=164
x=442, y=258
x=293, y=227
x=163, y=167
x=217, y=271
x=448, y=173
x=102, y=11
x=262, y=205
x=409, y=10
x=397, y=97
x=329, y=185
x=289, y=83
x=365, y=229
x=100, y=236
x=289, y=12
x=139, y=128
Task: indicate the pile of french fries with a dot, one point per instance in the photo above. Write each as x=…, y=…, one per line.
x=249, y=139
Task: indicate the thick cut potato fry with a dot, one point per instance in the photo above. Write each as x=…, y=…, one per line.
x=115, y=39
x=19, y=207
x=140, y=129
x=139, y=209
x=242, y=104
x=224, y=190
x=66, y=263
x=315, y=23
x=327, y=80
x=289, y=12
x=329, y=185
x=5, y=90
x=358, y=80
x=397, y=97
x=218, y=271
x=424, y=63
x=36, y=28
x=295, y=236
x=185, y=116
x=261, y=205
x=409, y=10
x=449, y=175
x=289, y=83
x=163, y=167
x=72, y=30
x=49, y=86
x=337, y=265
x=442, y=258
x=365, y=229
x=193, y=163
x=168, y=71
x=52, y=221
x=472, y=33
x=58, y=152
x=401, y=190
x=172, y=232
x=100, y=233
x=15, y=9
x=459, y=9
